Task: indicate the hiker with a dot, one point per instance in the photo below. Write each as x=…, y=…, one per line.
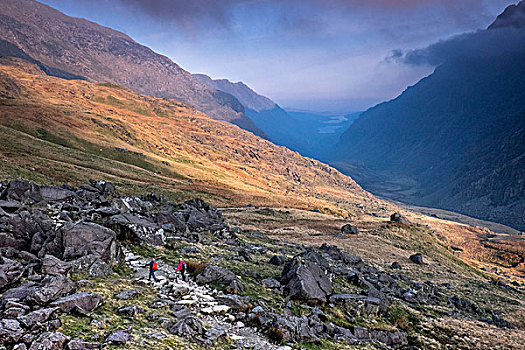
x=182, y=268
x=152, y=268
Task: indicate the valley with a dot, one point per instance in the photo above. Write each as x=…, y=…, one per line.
x=119, y=168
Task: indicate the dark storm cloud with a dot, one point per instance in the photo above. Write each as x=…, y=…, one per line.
x=218, y=12
x=504, y=41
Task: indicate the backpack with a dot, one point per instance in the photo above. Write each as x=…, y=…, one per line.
x=154, y=266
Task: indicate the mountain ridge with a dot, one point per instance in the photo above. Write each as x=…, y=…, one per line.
x=86, y=49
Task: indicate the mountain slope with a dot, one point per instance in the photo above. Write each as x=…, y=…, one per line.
x=103, y=130
x=459, y=133
x=86, y=49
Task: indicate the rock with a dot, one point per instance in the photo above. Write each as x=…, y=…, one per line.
x=277, y=260
x=360, y=305
x=235, y=287
x=306, y=280
x=417, y=258
x=400, y=219
x=137, y=229
x=10, y=331
x=56, y=194
x=396, y=265
x=82, y=238
x=180, y=312
x=270, y=283
x=128, y=294
x=392, y=339
x=190, y=249
x=20, y=293
x=22, y=191
x=188, y=327
x=37, y=317
x=10, y=272
x=217, y=309
x=361, y=333
x=215, y=333
x=10, y=206
x=349, y=229
x=53, y=266
x=118, y=338
x=128, y=310
x=91, y=265
x=52, y=288
x=500, y=322
x=212, y=273
x=85, y=301
x=335, y=253
x=79, y=344
x=237, y=302
x=49, y=341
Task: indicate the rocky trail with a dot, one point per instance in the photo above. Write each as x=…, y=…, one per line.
x=190, y=299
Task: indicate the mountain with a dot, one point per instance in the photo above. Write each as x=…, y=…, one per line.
x=455, y=140
x=308, y=133
x=86, y=50
x=513, y=16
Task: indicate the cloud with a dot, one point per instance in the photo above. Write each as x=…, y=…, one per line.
x=484, y=43
x=305, y=15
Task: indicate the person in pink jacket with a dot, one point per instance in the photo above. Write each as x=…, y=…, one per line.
x=182, y=268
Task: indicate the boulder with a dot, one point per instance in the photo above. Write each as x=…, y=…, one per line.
x=349, y=229
x=128, y=294
x=9, y=206
x=212, y=273
x=50, y=341
x=396, y=265
x=51, y=265
x=118, y=338
x=188, y=327
x=22, y=191
x=417, y=258
x=85, y=301
x=52, y=288
x=20, y=293
x=37, y=317
x=10, y=272
x=83, y=238
x=137, y=229
x=304, y=279
x=10, y=331
x=400, y=219
x=56, y=194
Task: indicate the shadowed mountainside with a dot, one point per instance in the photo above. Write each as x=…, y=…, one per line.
x=458, y=134
x=100, y=54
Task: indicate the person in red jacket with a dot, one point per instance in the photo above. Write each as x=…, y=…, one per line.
x=152, y=268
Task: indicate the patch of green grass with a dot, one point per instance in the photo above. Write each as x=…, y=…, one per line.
x=402, y=318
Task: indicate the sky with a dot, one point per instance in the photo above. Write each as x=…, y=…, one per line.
x=318, y=55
